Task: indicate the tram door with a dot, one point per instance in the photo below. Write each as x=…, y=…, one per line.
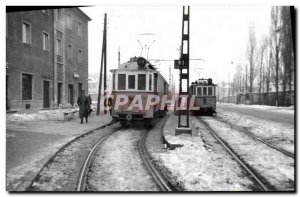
x=46, y=100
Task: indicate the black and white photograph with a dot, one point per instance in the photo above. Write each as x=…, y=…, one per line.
x=150, y=98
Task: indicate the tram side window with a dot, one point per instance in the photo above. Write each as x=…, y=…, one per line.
x=199, y=92
x=210, y=91
x=141, y=81
x=121, y=81
x=150, y=82
x=204, y=91
x=155, y=81
x=114, y=81
x=131, y=81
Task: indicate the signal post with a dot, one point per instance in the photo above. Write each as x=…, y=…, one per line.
x=183, y=65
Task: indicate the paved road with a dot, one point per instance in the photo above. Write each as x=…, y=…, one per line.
x=30, y=144
x=276, y=116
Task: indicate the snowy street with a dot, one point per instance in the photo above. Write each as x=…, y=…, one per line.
x=263, y=112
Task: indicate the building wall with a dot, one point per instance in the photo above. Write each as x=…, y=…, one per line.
x=28, y=58
x=77, y=41
x=45, y=65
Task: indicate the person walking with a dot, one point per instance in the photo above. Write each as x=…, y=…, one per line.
x=83, y=104
x=90, y=104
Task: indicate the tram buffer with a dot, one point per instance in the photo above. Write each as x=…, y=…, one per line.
x=183, y=65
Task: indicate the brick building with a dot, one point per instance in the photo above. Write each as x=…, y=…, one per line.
x=46, y=57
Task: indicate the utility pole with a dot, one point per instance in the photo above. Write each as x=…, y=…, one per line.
x=103, y=63
x=105, y=58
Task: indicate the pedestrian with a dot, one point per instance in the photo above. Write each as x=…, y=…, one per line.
x=90, y=104
x=83, y=104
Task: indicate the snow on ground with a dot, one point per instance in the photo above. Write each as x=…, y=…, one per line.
x=198, y=167
x=277, y=168
x=117, y=165
x=264, y=107
x=279, y=134
x=41, y=115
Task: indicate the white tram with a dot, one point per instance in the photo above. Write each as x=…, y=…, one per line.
x=137, y=77
x=205, y=96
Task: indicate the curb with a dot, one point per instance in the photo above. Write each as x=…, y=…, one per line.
x=168, y=144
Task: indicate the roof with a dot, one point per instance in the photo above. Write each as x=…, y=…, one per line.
x=79, y=11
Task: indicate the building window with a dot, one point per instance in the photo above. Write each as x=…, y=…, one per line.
x=141, y=82
x=69, y=51
x=131, y=82
x=46, y=12
x=79, y=29
x=26, y=33
x=58, y=15
x=58, y=47
x=69, y=21
x=45, y=41
x=26, y=87
x=121, y=81
x=79, y=56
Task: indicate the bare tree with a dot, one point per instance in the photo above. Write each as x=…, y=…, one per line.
x=251, y=58
x=262, y=50
x=276, y=43
x=287, y=52
x=268, y=75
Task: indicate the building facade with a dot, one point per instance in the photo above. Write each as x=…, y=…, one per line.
x=46, y=58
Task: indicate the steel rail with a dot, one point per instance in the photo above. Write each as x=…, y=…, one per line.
x=259, y=139
x=29, y=186
x=82, y=177
x=250, y=171
x=158, y=178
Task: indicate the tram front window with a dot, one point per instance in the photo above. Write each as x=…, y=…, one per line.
x=141, y=81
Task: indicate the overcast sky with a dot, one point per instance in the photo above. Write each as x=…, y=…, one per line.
x=218, y=34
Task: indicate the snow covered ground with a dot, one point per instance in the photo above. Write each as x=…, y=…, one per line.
x=275, y=167
x=280, y=134
x=201, y=165
x=41, y=115
x=264, y=107
x=117, y=165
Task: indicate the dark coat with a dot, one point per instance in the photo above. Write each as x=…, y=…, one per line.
x=83, y=104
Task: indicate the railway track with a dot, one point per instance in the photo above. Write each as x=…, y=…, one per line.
x=81, y=184
x=68, y=169
x=289, y=154
x=70, y=162
x=156, y=175
x=261, y=182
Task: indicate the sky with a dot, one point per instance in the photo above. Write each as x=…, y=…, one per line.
x=218, y=36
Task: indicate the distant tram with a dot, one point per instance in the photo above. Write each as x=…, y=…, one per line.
x=137, y=77
x=205, y=96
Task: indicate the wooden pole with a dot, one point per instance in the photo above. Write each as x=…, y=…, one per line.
x=101, y=68
x=105, y=56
